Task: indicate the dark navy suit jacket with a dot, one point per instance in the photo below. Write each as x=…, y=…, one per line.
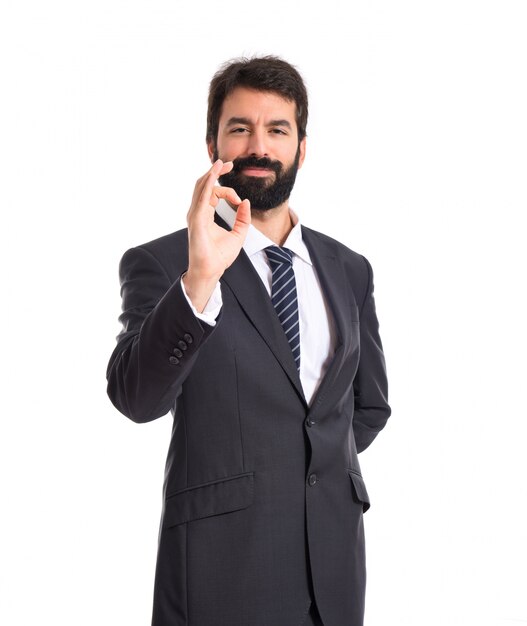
x=263, y=494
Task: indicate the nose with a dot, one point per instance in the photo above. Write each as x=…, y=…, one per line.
x=257, y=145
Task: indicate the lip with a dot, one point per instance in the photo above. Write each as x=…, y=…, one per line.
x=256, y=171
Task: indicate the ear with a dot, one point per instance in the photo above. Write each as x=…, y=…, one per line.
x=211, y=149
x=302, y=148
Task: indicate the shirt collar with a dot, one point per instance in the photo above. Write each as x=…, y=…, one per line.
x=256, y=241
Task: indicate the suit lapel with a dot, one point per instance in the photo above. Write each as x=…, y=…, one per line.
x=248, y=289
x=336, y=291
x=332, y=279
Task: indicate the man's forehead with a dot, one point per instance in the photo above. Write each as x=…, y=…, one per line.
x=252, y=104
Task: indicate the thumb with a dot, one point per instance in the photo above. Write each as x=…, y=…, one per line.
x=243, y=219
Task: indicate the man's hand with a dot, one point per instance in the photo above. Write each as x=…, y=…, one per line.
x=212, y=248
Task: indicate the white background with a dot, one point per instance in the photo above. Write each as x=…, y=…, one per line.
x=417, y=158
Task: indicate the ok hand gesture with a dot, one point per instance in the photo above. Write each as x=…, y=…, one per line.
x=212, y=248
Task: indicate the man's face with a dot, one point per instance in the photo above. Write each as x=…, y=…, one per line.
x=257, y=131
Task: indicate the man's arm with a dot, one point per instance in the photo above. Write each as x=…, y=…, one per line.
x=161, y=335
x=370, y=384
x=149, y=364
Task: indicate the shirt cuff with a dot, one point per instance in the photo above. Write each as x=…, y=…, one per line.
x=212, y=308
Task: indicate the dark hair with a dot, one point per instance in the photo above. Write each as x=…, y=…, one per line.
x=268, y=73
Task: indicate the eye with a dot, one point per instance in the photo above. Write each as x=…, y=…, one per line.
x=278, y=131
x=239, y=130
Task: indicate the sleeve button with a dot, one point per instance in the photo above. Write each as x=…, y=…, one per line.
x=182, y=345
x=173, y=360
x=188, y=338
x=177, y=352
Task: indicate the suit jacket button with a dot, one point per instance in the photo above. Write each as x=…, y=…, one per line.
x=177, y=352
x=310, y=422
x=312, y=480
x=173, y=360
x=182, y=345
x=188, y=338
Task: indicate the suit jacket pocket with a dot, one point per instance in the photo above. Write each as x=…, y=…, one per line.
x=220, y=496
x=359, y=490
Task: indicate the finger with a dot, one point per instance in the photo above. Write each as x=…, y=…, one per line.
x=215, y=171
x=211, y=179
x=207, y=193
x=243, y=219
x=203, y=211
x=226, y=193
x=227, y=167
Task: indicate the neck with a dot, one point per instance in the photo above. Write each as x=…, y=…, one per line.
x=276, y=224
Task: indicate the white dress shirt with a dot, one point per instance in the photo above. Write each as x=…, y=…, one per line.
x=317, y=329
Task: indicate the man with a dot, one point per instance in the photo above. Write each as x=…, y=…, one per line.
x=262, y=339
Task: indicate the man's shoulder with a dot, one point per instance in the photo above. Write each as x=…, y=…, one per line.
x=170, y=242
x=329, y=243
x=169, y=251
x=355, y=266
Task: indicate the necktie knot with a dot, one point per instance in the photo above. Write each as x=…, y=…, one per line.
x=278, y=256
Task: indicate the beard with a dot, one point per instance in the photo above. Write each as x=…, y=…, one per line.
x=262, y=193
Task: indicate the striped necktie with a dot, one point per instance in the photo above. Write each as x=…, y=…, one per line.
x=283, y=295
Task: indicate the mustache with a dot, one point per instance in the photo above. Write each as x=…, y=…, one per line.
x=252, y=161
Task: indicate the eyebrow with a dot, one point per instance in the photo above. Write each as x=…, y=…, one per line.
x=245, y=120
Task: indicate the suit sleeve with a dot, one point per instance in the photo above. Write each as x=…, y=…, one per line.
x=370, y=385
x=159, y=341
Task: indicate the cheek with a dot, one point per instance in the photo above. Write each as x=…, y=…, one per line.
x=287, y=152
x=229, y=150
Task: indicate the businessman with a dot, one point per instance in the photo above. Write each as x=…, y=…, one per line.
x=260, y=336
